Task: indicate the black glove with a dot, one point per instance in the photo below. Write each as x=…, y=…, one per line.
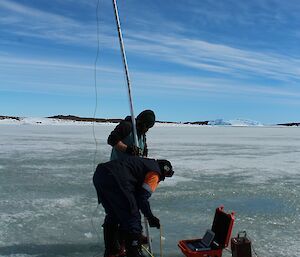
x=154, y=222
x=133, y=150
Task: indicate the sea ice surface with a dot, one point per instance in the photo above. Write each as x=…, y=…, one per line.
x=48, y=205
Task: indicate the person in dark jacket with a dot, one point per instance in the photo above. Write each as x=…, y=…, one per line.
x=123, y=188
x=122, y=140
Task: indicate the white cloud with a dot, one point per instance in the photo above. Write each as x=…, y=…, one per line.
x=33, y=12
x=216, y=57
x=109, y=77
x=35, y=23
x=268, y=12
x=226, y=61
x=168, y=48
x=175, y=83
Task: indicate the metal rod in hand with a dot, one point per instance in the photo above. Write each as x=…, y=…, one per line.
x=148, y=234
x=130, y=100
x=126, y=72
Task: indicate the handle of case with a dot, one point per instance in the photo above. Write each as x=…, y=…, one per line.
x=242, y=233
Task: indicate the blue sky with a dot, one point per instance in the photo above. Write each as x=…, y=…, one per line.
x=188, y=60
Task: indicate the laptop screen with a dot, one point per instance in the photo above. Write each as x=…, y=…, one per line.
x=208, y=238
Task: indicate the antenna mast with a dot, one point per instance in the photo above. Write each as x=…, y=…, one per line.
x=126, y=72
x=130, y=101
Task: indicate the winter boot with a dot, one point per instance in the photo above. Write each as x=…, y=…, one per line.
x=122, y=238
x=133, y=245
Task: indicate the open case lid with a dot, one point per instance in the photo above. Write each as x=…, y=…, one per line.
x=222, y=226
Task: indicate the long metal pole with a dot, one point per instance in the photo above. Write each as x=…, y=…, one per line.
x=130, y=101
x=126, y=72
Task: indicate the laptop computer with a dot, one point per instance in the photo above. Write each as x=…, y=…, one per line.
x=204, y=243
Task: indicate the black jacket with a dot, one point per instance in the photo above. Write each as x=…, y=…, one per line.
x=130, y=175
x=121, y=131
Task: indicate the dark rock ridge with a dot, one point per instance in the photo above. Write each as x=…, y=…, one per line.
x=75, y=118
x=9, y=118
x=290, y=124
x=198, y=122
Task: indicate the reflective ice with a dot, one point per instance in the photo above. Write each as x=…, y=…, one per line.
x=48, y=205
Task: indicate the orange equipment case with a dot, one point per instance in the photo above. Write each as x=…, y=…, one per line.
x=222, y=227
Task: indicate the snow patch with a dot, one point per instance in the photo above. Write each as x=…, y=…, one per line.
x=88, y=235
x=64, y=202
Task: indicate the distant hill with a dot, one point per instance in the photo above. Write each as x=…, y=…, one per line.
x=9, y=118
x=75, y=118
x=197, y=122
x=217, y=122
x=290, y=124
x=235, y=122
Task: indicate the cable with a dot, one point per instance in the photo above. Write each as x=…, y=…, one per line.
x=147, y=251
x=96, y=103
x=160, y=235
x=251, y=243
x=95, y=111
x=95, y=85
x=253, y=246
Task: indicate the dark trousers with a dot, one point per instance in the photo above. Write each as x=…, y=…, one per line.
x=119, y=208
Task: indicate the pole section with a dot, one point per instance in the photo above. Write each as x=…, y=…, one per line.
x=126, y=72
x=130, y=101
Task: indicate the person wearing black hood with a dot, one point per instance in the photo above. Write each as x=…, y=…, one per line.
x=122, y=140
x=123, y=188
x=123, y=146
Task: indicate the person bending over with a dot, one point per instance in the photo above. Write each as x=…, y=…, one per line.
x=123, y=188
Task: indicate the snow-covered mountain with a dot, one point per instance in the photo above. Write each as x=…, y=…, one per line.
x=219, y=122
x=234, y=122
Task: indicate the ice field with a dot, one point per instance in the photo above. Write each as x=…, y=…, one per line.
x=48, y=205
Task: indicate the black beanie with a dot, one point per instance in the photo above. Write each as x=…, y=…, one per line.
x=165, y=168
x=147, y=117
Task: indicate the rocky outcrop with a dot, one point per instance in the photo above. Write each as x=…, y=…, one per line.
x=76, y=118
x=198, y=122
x=290, y=124
x=9, y=118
